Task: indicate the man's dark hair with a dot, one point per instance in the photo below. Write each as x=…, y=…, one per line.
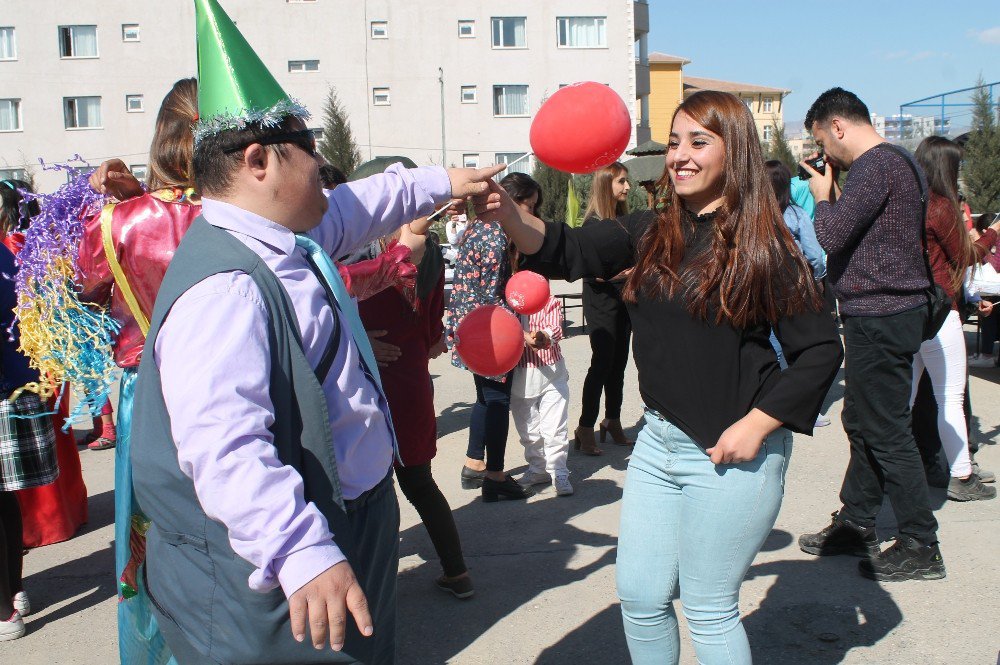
x=837, y=102
x=331, y=176
x=216, y=162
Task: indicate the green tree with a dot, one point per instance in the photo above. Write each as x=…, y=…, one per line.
x=778, y=148
x=338, y=146
x=981, y=173
x=555, y=185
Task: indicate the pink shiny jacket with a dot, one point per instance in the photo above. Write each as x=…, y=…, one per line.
x=145, y=232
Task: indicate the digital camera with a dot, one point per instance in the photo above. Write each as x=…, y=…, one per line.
x=819, y=164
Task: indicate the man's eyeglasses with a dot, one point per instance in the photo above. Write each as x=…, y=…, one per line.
x=303, y=138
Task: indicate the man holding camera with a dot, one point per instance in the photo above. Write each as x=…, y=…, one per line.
x=872, y=232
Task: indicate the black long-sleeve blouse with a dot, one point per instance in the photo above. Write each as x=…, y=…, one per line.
x=699, y=375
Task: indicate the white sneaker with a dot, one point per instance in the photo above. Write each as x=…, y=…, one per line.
x=823, y=420
x=13, y=628
x=530, y=477
x=22, y=604
x=562, y=486
x=982, y=361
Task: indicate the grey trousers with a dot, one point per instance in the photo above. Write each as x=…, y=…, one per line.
x=257, y=628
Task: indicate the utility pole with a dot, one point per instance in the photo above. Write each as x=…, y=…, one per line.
x=444, y=151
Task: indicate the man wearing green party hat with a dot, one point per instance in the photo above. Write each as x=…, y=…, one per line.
x=263, y=443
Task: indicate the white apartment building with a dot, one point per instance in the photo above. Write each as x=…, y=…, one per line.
x=440, y=82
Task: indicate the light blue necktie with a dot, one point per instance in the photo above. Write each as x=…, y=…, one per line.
x=345, y=303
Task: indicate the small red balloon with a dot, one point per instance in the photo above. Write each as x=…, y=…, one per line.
x=527, y=292
x=489, y=340
x=581, y=128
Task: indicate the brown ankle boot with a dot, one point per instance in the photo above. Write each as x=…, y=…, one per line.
x=585, y=442
x=614, y=428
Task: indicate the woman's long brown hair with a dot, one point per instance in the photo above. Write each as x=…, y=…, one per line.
x=940, y=159
x=602, y=203
x=172, y=149
x=751, y=271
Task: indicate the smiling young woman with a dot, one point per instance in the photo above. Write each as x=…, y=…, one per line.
x=715, y=269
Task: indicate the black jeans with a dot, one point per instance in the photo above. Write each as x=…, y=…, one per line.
x=610, y=333
x=490, y=422
x=884, y=458
x=420, y=490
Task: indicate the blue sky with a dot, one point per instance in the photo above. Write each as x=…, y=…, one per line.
x=886, y=52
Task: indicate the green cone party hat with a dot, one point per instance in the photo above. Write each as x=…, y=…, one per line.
x=235, y=89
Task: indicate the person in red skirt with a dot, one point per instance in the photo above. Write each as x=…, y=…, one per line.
x=51, y=513
x=406, y=331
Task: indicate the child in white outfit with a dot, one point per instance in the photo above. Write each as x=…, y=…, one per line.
x=539, y=400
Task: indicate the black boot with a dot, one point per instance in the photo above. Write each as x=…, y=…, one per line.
x=508, y=488
x=841, y=537
x=906, y=559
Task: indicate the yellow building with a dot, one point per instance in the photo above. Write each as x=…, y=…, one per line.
x=765, y=103
x=666, y=91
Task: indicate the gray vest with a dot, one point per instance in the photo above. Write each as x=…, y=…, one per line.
x=193, y=575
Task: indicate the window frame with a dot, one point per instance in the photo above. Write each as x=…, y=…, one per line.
x=7, y=173
x=97, y=45
x=475, y=94
x=376, y=91
x=527, y=102
x=137, y=167
x=384, y=24
x=142, y=103
x=130, y=26
x=501, y=157
x=560, y=19
x=470, y=23
x=767, y=104
x=16, y=101
x=493, y=43
x=470, y=163
x=767, y=133
x=77, y=127
x=13, y=41
x=305, y=66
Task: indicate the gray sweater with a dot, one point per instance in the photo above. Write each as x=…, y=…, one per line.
x=872, y=236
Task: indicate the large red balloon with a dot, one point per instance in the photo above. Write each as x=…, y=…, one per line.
x=527, y=292
x=489, y=340
x=581, y=128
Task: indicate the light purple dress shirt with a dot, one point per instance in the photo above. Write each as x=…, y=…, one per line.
x=213, y=355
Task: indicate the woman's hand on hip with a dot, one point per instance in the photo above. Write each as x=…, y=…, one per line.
x=742, y=441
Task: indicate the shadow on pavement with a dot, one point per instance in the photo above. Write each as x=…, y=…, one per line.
x=515, y=552
x=87, y=575
x=816, y=610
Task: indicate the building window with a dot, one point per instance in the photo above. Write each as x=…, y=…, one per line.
x=380, y=96
x=130, y=32
x=510, y=100
x=82, y=112
x=466, y=29
x=140, y=171
x=469, y=94
x=509, y=32
x=133, y=104
x=767, y=104
x=768, y=133
x=78, y=41
x=10, y=115
x=380, y=30
x=14, y=174
x=515, y=161
x=583, y=32
x=317, y=134
x=303, y=65
x=8, y=44
x=471, y=161
x=749, y=102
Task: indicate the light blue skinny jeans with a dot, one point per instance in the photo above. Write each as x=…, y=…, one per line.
x=691, y=529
